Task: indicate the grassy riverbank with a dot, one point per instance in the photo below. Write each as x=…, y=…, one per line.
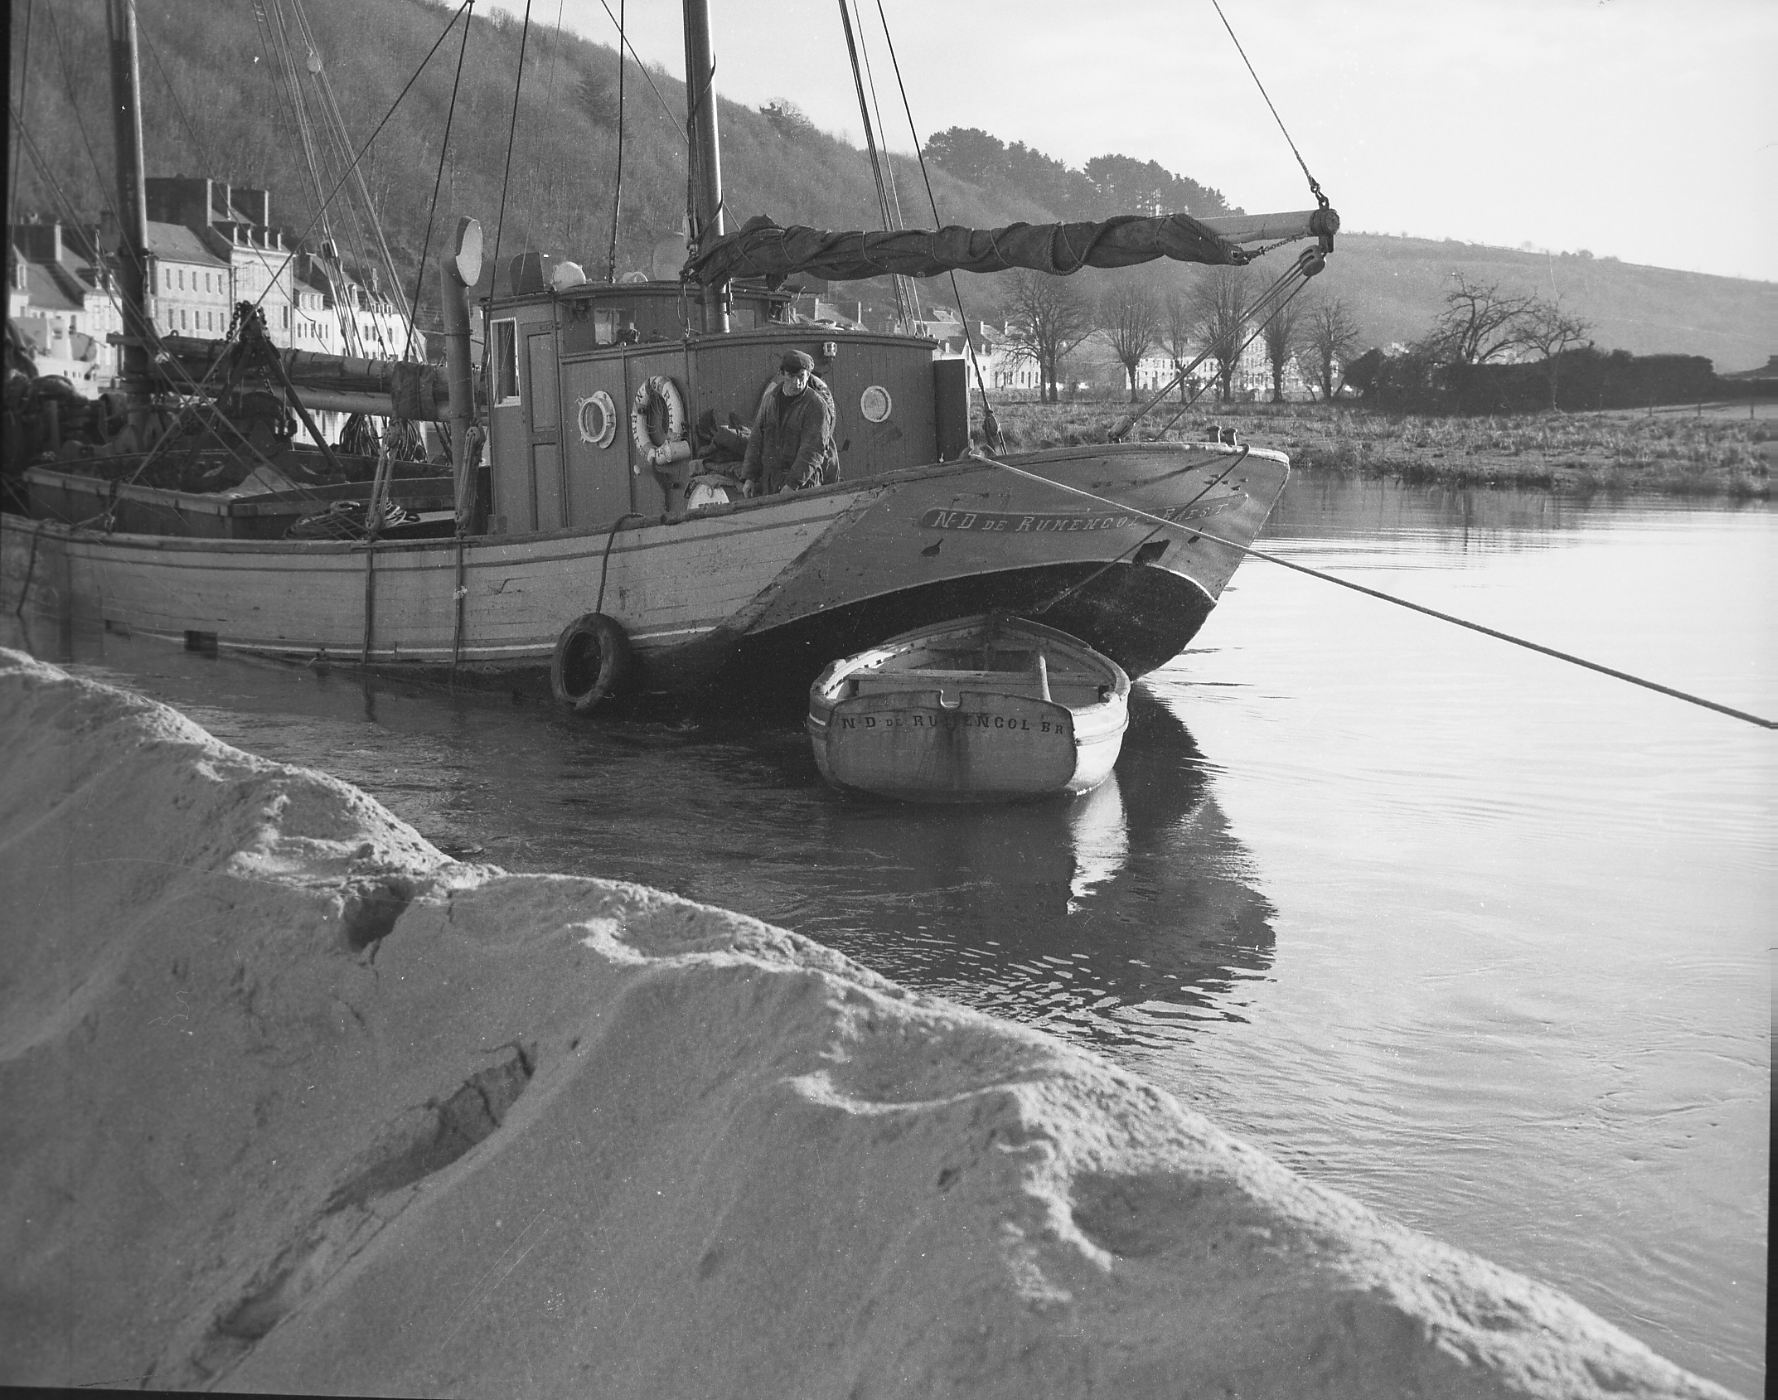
x=1712, y=450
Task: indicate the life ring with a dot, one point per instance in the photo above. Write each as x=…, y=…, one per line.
x=592, y=663
x=596, y=416
x=658, y=421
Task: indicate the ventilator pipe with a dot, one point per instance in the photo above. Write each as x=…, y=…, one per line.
x=460, y=268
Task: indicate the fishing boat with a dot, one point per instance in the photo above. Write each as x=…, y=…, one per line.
x=981, y=709
x=592, y=530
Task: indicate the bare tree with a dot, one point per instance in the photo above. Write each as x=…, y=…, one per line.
x=1219, y=315
x=1176, y=335
x=1479, y=323
x=1280, y=336
x=1550, y=331
x=1330, y=335
x=1129, y=322
x=1046, y=319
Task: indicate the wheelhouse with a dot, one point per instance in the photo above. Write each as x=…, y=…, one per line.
x=579, y=376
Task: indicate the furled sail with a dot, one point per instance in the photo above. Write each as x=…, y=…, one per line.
x=762, y=249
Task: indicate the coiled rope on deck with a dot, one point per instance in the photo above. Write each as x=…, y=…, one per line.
x=1325, y=577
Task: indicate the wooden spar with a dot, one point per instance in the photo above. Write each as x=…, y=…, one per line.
x=343, y=383
x=706, y=184
x=1267, y=228
x=132, y=202
x=349, y=401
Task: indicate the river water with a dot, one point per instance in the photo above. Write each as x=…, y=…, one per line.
x=1481, y=938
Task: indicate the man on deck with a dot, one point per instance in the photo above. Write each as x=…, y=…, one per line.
x=791, y=447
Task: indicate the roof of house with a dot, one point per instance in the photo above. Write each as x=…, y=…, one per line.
x=1769, y=370
x=176, y=243
x=47, y=292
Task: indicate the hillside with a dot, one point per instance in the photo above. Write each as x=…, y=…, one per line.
x=214, y=104
x=1394, y=286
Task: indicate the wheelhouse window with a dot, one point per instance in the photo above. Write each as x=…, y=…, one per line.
x=505, y=361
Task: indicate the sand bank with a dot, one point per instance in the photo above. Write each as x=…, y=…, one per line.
x=293, y=1101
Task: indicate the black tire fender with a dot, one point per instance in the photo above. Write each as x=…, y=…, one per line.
x=592, y=663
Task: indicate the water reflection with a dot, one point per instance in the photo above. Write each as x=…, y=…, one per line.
x=1459, y=518
x=1124, y=916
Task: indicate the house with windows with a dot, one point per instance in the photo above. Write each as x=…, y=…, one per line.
x=210, y=245
x=333, y=314
x=247, y=259
x=60, y=302
x=998, y=364
x=190, y=287
x=309, y=300
x=1252, y=379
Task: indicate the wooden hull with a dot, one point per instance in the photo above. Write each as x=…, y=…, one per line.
x=778, y=586
x=72, y=498
x=984, y=709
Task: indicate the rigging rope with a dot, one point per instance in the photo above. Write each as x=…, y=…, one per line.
x=136, y=320
x=1264, y=311
x=617, y=184
x=1325, y=577
x=544, y=178
x=437, y=180
x=908, y=284
x=139, y=324
x=1314, y=186
x=512, y=132
x=364, y=149
x=990, y=424
x=623, y=44
x=198, y=143
x=12, y=194
x=899, y=286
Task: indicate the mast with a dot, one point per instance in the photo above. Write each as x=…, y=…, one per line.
x=706, y=157
x=132, y=202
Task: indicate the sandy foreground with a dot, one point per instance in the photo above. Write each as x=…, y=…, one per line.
x=293, y=1101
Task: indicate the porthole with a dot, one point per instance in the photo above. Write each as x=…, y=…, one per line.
x=874, y=403
x=597, y=416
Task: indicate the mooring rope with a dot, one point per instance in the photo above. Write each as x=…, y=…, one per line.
x=1325, y=577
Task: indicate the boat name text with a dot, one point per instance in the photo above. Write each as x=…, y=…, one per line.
x=954, y=719
x=941, y=519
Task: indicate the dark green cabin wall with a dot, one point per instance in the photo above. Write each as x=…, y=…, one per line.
x=550, y=473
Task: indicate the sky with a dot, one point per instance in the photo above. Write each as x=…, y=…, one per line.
x=1645, y=130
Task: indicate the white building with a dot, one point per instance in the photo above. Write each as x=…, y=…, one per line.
x=997, y=365
x=61, y=303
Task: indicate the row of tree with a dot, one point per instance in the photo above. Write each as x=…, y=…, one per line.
x=1208, y=321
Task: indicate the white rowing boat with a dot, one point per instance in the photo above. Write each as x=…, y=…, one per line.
x=980, y=709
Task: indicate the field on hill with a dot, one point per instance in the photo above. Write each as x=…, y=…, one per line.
x=1698, y=450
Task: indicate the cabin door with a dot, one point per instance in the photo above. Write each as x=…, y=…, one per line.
x=596, y=441
x=544, y=429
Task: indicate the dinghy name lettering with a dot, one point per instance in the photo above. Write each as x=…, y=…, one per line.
x=945, y=719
